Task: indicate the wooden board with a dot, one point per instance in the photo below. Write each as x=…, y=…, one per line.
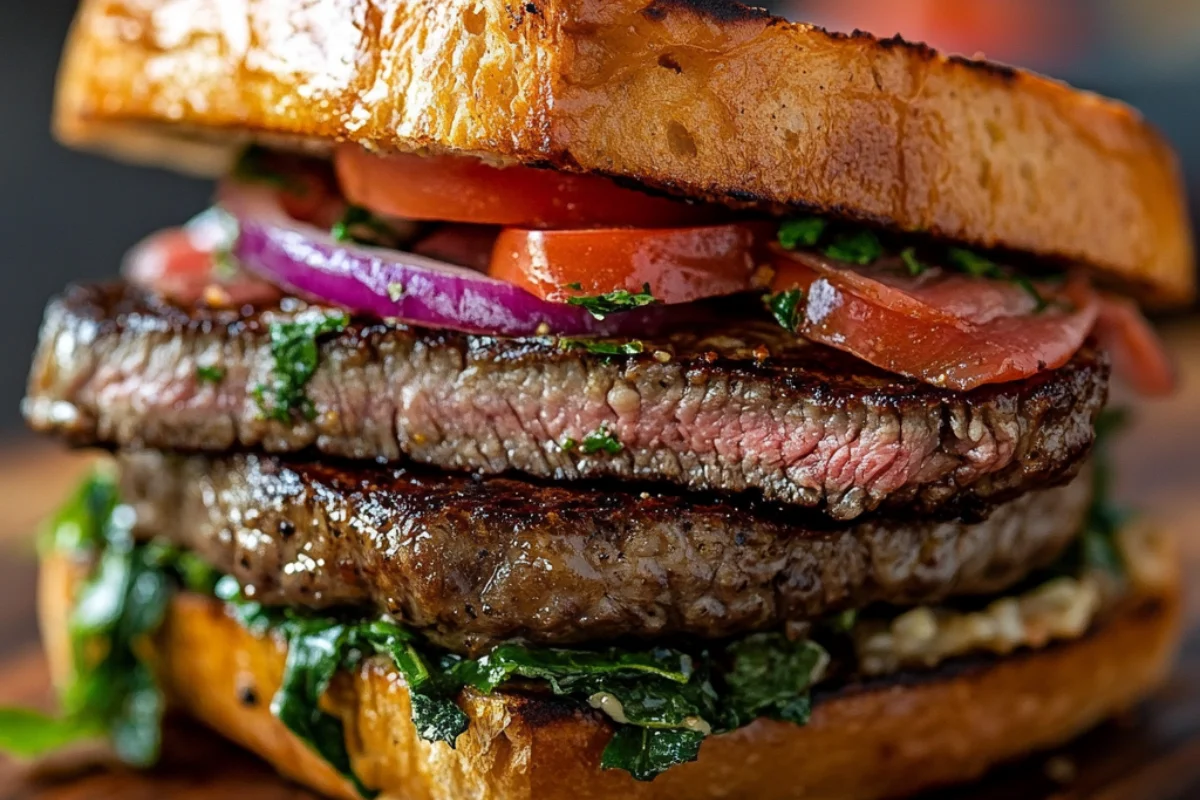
x=1152, y=753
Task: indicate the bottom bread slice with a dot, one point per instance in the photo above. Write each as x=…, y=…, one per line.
x=882, y=739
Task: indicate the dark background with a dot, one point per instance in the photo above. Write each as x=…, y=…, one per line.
x=66, y=216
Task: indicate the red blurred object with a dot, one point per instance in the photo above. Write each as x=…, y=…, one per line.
x=1013, y=31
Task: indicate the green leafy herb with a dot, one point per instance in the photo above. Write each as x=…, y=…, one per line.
x=295, y=357
x=785, y=307
x=770, y=677
x=843, y=622
x=861, y=247
x=911, y=263
x=600, y=306
x=508, y=661
x=360, y=226
x=646, y=753
x=79, y=524
x=29, y=734
x=1098, y=546
x=801, y=232
x=318, y=647
x=630, y=347
x=568, y=444
x=601, y=440
x=210, y=374
x=254, y=165
x=978, y=266
x=112, y=691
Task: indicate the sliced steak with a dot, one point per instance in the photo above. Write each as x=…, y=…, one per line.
x=479, y=560
x=745, y=407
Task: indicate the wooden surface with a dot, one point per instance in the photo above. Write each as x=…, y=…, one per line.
x=1152, y=753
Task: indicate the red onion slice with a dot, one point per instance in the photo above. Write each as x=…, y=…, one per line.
x=391, y=284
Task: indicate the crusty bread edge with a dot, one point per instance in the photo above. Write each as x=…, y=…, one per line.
x=881, y=131
x=880, y=741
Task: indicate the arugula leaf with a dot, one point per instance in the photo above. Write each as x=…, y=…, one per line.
x=29, y=734
x=600, y=306
x=295, y=356
x=630, y=347
x=785, y=307
x=646, y=753
x=770, y=677
x=601, y=440
x=861, y=247
x=801, y=232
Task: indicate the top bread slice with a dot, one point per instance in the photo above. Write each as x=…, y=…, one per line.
x=702, y=98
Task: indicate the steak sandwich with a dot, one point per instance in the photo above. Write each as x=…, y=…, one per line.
x=636, y=398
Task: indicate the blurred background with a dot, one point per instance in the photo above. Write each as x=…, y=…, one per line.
x=65, y=216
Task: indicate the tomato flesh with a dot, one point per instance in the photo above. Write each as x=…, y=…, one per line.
x=463, y=189
x=678, y=265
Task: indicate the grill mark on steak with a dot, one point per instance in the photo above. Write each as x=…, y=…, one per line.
x=807, y=425
x=475, y=561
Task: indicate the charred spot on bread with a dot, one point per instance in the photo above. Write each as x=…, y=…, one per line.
x=717, y=10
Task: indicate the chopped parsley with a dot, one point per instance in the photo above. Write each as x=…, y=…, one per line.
x=630, y=347
x=911, y=263
x=600, y=306
x=861, y=247
x=360, y=226
x=601, y=440
x=802, y=232
x=978, y=266
x=295, y=356
x=785, y=307
x=210, y=374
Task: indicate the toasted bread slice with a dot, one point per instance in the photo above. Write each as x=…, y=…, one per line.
x=883, y=740
x=704, y=98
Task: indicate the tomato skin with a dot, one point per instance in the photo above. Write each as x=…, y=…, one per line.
x=465, y=189
x=678, y=264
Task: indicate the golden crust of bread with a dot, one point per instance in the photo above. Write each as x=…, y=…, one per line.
x=700, y=97
x=871, y=742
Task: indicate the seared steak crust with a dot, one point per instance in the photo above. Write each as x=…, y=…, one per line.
x=743, y=407
x=478, y=560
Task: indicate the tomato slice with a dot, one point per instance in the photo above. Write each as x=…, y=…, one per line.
x=462, y=189
x=1138, y=355
x=181, y=265
x=943, y=328
x=678, y=265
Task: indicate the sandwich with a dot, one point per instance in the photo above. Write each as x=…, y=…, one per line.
x=638, y=398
